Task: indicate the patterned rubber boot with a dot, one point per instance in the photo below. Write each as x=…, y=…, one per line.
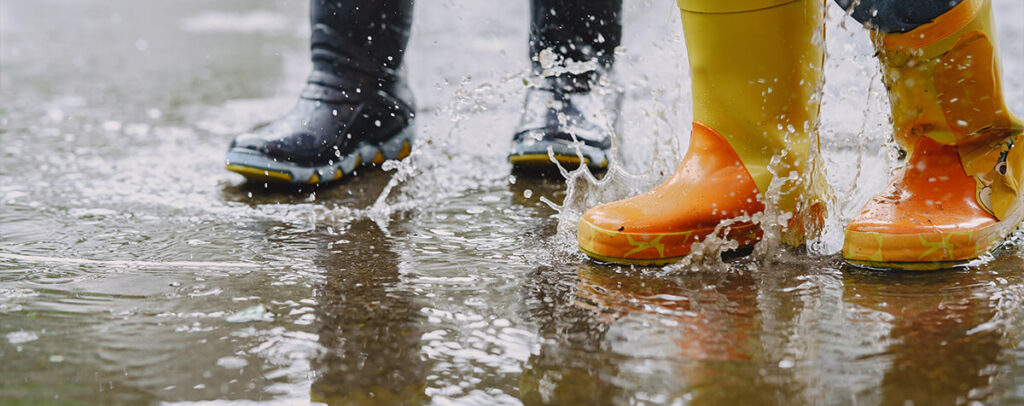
x=957, y=195
x=755, y=69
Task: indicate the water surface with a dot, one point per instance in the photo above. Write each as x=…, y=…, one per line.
x=135, y=270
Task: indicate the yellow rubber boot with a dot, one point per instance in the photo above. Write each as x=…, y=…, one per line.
x=755, y=67
x=958, y=193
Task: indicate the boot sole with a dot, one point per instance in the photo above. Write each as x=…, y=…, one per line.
x=905, y=266
x=256, y=167
x=926, y=251
x=542, y=163
x=590, y=236
x=534, y=158
x=627, y=261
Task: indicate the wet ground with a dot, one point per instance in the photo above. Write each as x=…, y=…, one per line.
x=134, y=269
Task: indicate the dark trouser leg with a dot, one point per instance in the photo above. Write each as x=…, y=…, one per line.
x=579, y=30
x=359, y=36
x=892, y=16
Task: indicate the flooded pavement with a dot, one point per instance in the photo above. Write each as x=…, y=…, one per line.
x=134, y=269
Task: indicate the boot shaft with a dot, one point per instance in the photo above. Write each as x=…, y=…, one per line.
x=943, y=83
x=756, y=73
x=943, y=79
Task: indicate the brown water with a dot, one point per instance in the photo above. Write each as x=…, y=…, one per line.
x=135, y=270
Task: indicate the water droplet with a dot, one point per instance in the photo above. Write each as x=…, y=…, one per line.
x=111, y=125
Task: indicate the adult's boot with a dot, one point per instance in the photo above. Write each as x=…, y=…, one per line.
x=355, y=109
x=957, y=194
x=755, y=68
x=573, y=103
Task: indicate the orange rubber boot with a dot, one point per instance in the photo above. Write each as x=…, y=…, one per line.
x=755, y=68
x=958, y=194
x=710, y=187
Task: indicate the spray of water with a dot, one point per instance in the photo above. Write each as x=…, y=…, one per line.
x=415, y=181
x=782, y=229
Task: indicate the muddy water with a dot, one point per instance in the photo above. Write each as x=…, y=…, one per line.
x=135, y=270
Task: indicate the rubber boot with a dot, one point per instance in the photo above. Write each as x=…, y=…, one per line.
x=755, y=68
x=958, y=193
x=573, y=103
x=355, y=109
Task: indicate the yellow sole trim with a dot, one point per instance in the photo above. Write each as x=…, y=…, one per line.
x=628, y=261
x=926, y=252
x=406, y=150
x=259, y=174
x=906, y=266
x=544, y=161
x=591, y=239
x=917, y=248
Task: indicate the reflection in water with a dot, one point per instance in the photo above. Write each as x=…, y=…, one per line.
x=368, y=325
x=951, y=332
x=788, y=337
x=610, y=335
x=685, y=336
x=572, y=366
x=714, y=313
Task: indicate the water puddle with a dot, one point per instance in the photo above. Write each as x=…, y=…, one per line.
x=134, y=269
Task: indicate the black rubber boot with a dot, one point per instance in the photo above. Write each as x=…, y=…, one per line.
x=572, y=107
x=355, y=108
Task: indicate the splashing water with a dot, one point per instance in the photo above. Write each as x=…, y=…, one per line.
x=134, y=269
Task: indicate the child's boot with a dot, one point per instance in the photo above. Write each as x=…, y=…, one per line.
x=958, y=192
x=572, y=106
x=355, y=109
x=755, y=67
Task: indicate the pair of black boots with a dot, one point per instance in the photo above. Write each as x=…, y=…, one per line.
x=356, y=109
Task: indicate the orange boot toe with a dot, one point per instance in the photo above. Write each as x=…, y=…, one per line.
x=928, y=217
x=709, y=188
